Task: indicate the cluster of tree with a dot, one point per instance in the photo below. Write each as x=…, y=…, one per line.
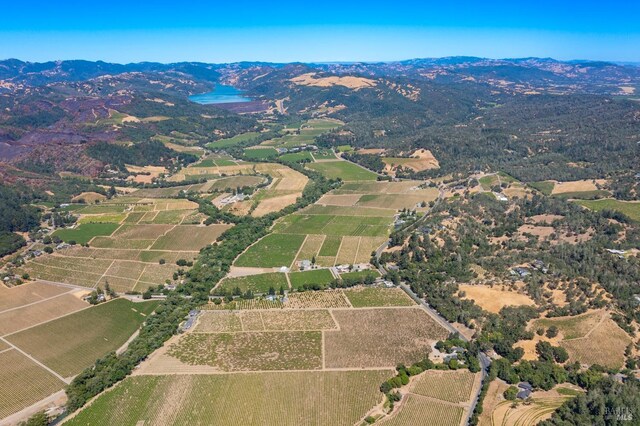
x=370, y=161
x=141, y=153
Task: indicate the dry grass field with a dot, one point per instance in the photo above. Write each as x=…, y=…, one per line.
x=604, y=345
x=380, y=337
x=23, y=382
x=577, y=186
x=494, y=299
x=251, y=399
x=27, y=293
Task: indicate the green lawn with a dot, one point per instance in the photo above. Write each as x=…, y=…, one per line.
x=629, y=208
x=85, y=232
x=71, y=343
x=274, y=250
x=256, y=283
x=345, y=170
x=321, y=277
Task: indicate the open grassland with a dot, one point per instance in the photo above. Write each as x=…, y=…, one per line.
x=250, y=351
x=260, y=283
x=251, y=399
x=629, y=208
x=321, y=277
x=378, y=337
x=274, y=250
x=344, y=170
x=604, y=345
x=365, y=297
x=572, y=327
x=451, y=386
x=493, y=299
x=71, y=343
x=39, y=312
x=422, y=411
x=23, y=382
x=85, y=232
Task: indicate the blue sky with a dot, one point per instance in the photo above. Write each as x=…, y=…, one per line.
x=321, y=30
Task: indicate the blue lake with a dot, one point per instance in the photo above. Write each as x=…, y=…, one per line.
x=220, y=95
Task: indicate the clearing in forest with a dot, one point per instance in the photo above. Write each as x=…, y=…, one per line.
x=492, y=299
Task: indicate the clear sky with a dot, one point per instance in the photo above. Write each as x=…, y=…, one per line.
x=320, y=30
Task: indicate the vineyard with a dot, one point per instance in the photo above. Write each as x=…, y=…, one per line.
x=331, y=398
x=421, y=411
x=71, y=343
x=379, y=337
x=317, y=299
x=287, y=350
x=364, y=297
x=23, y=382
x=277, y=320
x=451, y=386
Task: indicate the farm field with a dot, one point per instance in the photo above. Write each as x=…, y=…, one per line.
x=418, y=410
x=27, y=293
x=331, y=210
x=96, y=331
x=542, y=406
x=250, y=399
x=266, y=320
x=127, y=254
x=256, y=283
x=321, y=277
x=250, y=351
x=274, y=250
x=305, y=134
x=398, y=201
x=344, y=170
x=629, y=208
x=366, y=297
x=378, y=337
x=333, y=225
x=452, y=386
x=260, y=153
x=317, y=299
x=23, y=382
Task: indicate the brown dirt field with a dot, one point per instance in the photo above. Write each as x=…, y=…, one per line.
x=544, y=219
x=339, y=200
x=380, y=337
x=577, y=186
x=27, y=316
x=372, y=151
x=275, y=204
x=89, y=197
x=27, y=293
x=355, y=83
x=494, y=299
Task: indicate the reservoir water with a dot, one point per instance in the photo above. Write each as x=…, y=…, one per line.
x=220, y=95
